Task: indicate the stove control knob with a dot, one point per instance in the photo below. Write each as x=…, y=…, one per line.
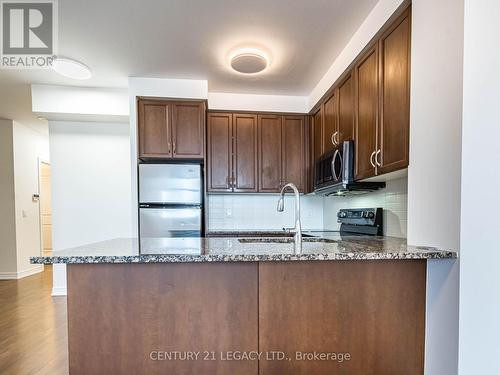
x=369, y=214
x=342, y=214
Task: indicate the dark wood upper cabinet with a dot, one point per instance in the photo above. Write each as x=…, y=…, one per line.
x=188, y=130
x=393, y=143
x=171, y=129
x=219, y=152
x=249, y=153
x=294, y=140
x=270, y=151
x=370, y=103
x=317, y=134
x=245, y=153
x=154, y=129
x=330, y=128
x=345, y=93
x=366, y=75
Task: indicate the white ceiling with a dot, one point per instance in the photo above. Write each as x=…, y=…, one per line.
x=191, y=39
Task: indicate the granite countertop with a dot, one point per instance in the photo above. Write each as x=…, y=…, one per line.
x=325, y=246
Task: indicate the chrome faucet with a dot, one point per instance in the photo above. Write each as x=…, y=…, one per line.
x=281, y=206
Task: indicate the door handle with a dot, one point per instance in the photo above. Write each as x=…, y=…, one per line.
x=371, y=159
x=376, y=157
x=332, y=138
x=334, y=171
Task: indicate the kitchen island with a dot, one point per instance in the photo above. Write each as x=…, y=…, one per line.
x=251, y=305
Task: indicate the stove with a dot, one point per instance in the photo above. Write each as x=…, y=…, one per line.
x=367, y=221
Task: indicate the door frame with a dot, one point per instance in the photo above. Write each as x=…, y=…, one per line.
x=40, y=162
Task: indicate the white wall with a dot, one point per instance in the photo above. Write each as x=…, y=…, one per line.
x=480, y=251
x=30, y=146
x=8, y=259
x=90, y=185
x=393, y=199
x=231, y=211
x=21, y=148
x=250, y=102
x=434, y=171
x=89, y=103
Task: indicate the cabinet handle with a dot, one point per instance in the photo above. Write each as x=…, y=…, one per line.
x=169, y=147
x=174, y=147
x=371, y=159
x=376, y=157
x=233, y=179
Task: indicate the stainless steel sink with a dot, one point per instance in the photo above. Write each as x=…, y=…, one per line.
x=284, y=240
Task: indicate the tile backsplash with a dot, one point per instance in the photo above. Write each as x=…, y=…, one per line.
x=258, y=211
x=393, y=199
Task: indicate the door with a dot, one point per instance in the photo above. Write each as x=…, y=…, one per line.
x=188, y=125
x=395, y=97
x=270, y=152
x=294, y=151
x=219, y=152
x=245, y=153
x=170, y=183
x=330, y=128
x=366, y=114
x=154, y=129
x=45, y=209
x=345, y=95
x=317, y=134
x=159, y=222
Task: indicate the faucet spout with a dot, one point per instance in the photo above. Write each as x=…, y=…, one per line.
x=298, y=228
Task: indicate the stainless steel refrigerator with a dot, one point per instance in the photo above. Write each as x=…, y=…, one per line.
x=170, y=201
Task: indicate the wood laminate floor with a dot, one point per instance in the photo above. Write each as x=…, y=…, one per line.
x=33, y=327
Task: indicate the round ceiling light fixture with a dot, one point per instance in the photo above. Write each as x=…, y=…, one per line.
x=249, y=61
x=71, y=68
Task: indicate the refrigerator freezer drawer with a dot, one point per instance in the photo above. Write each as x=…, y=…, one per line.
x=170, y=222
x=170, y=183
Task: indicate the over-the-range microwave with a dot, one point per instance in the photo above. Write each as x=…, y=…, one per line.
x=334, y=173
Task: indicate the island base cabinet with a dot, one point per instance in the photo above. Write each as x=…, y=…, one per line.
x=368, y=317
x=126, y=318
x=301, y=317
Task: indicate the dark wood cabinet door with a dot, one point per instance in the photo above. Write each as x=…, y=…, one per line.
x=245, y=153
x=343, y=307
x=294, y=151
x=219, y=149
x=366, y=113
x=154, y=129
x=330, y=128
x=270, y=177
x=394, y=47
x=317, y=134
x=345, y=95
x=188, y=129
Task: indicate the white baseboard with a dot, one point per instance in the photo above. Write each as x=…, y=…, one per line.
x=59, y=291
x=19, y=275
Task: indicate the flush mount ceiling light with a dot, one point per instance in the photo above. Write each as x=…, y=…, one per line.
x=249, y=61
x=71, y=68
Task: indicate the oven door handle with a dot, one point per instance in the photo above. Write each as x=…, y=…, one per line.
x=334, y=172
